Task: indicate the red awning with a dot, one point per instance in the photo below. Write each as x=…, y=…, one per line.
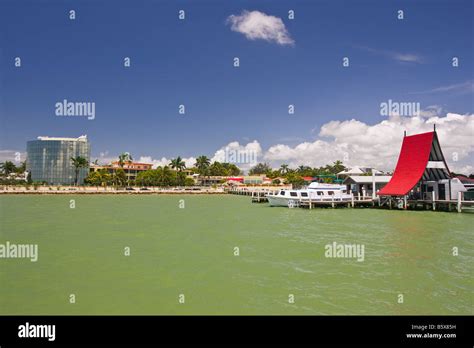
x=411, y=164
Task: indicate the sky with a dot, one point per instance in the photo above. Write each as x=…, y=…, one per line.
x=283, y=61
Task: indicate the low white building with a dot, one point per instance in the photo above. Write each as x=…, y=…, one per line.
x=364, y=184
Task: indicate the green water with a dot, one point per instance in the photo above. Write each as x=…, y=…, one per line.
x=190, y=251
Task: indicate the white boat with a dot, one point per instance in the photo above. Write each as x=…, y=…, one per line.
x=314, y=192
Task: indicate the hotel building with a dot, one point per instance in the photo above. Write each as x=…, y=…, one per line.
x=49, y=159
x=131, y=169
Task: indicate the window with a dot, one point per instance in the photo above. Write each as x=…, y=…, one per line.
x=320, y=193
x=293, y=194
x=331, y=193
x=282, y=193
x=304, y=194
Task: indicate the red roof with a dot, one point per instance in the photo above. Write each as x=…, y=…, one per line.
x=411, y=164
x=307, y=178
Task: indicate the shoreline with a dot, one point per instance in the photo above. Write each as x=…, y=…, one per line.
x=60, y=190
x=113, y=192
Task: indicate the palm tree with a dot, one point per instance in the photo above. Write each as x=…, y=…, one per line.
x=177, y=164
x=284, y=168
x=125, y=157
x=8, y=167
x=78, y=163
x=21, y=168
x=202, y=164
x=338, y=167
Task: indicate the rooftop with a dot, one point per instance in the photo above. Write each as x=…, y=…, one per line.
x=367, y=179
x=81, y=138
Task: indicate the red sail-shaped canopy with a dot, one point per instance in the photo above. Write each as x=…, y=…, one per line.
x=411, y=164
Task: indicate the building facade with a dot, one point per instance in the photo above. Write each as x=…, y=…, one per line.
x=49, y=159
x=131, y=169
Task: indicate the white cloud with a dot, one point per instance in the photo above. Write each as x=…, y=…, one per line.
x=253, y=149
x=165, y=161
x=357, y=143
x=398, y=56
x=12, y=156
x=431, y=111
x=354, y=142
x=462, y=88
x=406, y=57
x=258, y=25
x=244, y=156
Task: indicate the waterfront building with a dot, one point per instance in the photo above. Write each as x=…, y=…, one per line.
x=209, y=180
x=358, y=170
x=131, y=169
x=49, y=159
x=364, y=184
x=254, y=179
x=422, y=172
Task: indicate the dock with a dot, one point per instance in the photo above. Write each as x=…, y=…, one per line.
x=258, y=195
x=359, y=201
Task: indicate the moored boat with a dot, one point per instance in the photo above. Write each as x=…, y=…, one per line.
x=314, y=192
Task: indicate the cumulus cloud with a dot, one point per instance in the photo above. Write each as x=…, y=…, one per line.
x=163, y=161
x=357, y=143
x=244, y=156
x=257, y=25
x=431, y=111
x=354, y=142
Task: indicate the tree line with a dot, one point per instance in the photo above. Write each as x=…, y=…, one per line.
x=168, y=175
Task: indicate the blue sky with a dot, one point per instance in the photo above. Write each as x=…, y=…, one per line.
x=190, y=62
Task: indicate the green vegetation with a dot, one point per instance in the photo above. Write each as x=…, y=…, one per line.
x=10, y=174
x=260, y=168
x=205, y=168
x=78, y=163
x=178, y=164
x=161, y=176
x=295, y=176
x=202, y=164
x=125, y=158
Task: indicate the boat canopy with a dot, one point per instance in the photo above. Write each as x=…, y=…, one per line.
x=420, y=158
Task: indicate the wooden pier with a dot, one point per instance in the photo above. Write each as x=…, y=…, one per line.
x=360, y=201
x=459, y=205
x=258, y=195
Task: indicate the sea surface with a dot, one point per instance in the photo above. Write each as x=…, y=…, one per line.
x=186, y=245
